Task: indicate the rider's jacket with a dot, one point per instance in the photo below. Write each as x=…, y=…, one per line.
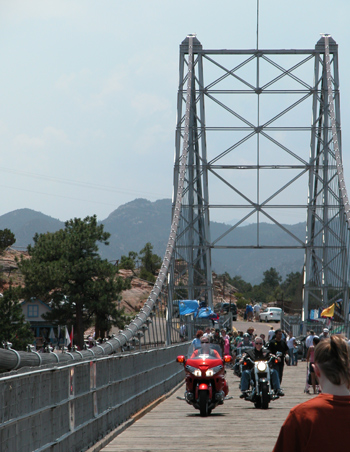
x=257, y=355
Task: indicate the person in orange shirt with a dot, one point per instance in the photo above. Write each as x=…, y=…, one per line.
x=322, y=423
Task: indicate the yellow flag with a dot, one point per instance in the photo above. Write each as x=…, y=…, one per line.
x=328, y=312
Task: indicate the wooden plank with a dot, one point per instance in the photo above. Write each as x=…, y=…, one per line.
x=235, y=426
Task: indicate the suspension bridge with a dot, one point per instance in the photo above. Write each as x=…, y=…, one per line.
x=244, y=137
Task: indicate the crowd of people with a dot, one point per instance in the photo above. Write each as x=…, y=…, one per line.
x=328, y=364
x=237, y=343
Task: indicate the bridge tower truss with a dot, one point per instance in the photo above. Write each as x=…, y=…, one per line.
x=249, y=141
x=191, y=275
x=326, y=277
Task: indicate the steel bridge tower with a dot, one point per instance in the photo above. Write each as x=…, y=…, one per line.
x=251, y=141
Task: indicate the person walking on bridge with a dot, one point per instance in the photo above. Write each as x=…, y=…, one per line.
x=322, y=423
x=279, y=345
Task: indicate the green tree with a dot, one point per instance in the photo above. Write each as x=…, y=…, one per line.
x=291, y=291
x=241, y=285
x=291, y=285
x=66, y=271
x=7, y=238
x=128, y=262
x=271, y=279
x=13, y=327
x=150, y=263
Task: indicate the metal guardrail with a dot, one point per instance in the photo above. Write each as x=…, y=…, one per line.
x=70, y=407
x=295, y=325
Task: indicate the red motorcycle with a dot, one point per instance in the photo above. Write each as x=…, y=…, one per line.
x=206, y=387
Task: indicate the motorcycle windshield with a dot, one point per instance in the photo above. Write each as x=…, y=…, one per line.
x=204, y=351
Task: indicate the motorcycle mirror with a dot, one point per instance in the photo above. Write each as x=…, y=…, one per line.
x=227, y=359
x=180, y=359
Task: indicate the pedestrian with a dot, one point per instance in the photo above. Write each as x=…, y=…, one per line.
x=310, y=360
x=183, y=332
x=322, y=423
x=270, y=334
x=217, y=339
x=239, y=337
x=279, y=345
x=291, y=346
x=256, y=310
x=249, y=312
x=207, y=332
x=324, y=334
x=250, y=331
x=226, y=339
x=309, y=339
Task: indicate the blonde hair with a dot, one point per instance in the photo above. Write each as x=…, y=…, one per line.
x=332, y=356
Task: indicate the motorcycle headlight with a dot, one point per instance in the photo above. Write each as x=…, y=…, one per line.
x=262, y=366
x=213, y=371
x=196, y=372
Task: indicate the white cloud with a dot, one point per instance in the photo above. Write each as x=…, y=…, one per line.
x=48, y=136
x=25, y=141
x=70, y=81
x=25, y=11
x=109, y=87
x=149, y=141
x=146, y=104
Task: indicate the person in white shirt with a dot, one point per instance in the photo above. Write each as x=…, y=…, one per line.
x=291, y=346
x=256, y=310
x=309, y=339
x=270, y=334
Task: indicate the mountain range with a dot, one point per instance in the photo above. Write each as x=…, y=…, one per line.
x=134, y=224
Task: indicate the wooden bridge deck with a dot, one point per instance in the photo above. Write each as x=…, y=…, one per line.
x=173, y=425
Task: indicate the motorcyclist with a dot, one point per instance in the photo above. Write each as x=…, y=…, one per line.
x=258, y=354
x=242, y=347
x=246, y=342
x=205, y=349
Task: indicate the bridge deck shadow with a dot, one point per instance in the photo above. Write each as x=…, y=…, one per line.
x=174, y=425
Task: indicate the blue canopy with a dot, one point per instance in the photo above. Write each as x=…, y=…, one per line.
x=206, y=313
x=188, y=307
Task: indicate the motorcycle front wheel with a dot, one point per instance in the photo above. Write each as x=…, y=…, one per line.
x=203, y=403
x=265, y=399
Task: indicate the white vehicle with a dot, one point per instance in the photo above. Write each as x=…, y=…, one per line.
x=271, y=314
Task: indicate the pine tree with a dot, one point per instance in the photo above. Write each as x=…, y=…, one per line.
x=66, y=271
x=13, y=327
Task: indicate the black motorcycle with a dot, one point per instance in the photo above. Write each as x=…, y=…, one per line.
x=261, y=393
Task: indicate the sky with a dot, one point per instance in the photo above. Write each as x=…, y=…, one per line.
x=89, y=91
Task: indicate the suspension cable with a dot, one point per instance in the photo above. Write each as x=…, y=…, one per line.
x=340, y=169
x=135, y=327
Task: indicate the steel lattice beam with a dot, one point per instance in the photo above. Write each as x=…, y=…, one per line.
x=278, y=83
